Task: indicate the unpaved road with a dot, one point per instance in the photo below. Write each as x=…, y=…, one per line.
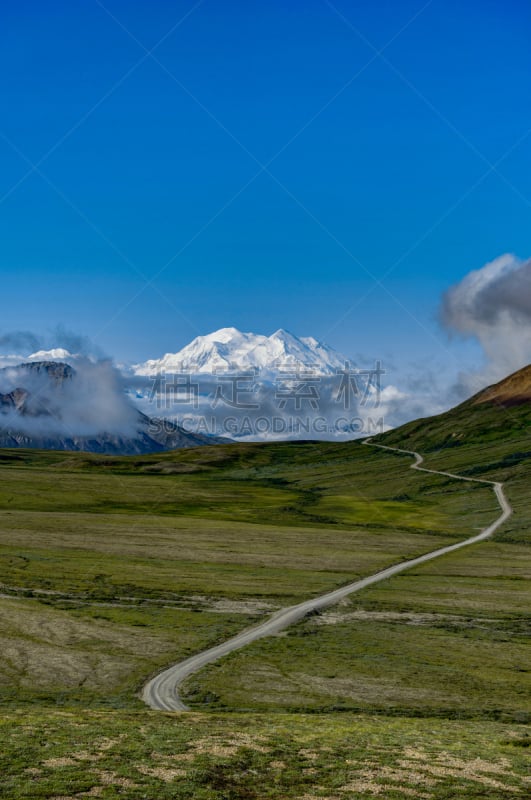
x=162, y=691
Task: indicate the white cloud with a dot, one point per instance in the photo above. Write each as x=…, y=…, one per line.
x=493, y=306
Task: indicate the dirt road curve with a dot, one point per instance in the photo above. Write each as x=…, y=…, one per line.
x=162, y=691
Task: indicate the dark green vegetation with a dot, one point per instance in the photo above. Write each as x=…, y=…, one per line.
x=113, y=567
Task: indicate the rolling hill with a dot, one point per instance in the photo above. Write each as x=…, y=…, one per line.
x=496, y=418
x=114, y=567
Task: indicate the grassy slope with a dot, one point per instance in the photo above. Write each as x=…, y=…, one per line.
x=446, y=638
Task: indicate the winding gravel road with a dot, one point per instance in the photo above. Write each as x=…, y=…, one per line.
x=162, y=691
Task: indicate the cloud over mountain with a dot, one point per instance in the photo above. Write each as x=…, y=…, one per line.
x=60, y=344
x=61, y=401
x=50, y=405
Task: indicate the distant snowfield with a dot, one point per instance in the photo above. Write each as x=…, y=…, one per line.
x=230, y=350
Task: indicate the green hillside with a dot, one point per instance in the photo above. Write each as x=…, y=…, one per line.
x=113, y=567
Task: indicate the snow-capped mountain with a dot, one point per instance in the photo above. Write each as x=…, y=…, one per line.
x=58, y=354
x=55, y=354
x=230, y=350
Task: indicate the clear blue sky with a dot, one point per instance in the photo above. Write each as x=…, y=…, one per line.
x=149, y=167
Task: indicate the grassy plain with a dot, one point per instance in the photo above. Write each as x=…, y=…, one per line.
x=112, y=568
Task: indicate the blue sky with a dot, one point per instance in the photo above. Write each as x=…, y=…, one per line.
x=265, y=166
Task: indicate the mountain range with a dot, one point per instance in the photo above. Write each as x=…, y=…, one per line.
x=63, y=401
x=229, y=350
x=226, y=350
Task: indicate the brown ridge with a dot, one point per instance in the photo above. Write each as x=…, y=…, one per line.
x=512, y=391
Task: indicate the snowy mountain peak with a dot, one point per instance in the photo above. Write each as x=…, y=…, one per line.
x=282, y=334
x=224, y=335
x=55, y=354
x=230, y=350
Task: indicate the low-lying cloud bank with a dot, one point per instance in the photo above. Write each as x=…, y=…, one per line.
x=260, y=408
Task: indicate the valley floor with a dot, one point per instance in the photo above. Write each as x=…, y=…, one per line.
x=113, y=568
